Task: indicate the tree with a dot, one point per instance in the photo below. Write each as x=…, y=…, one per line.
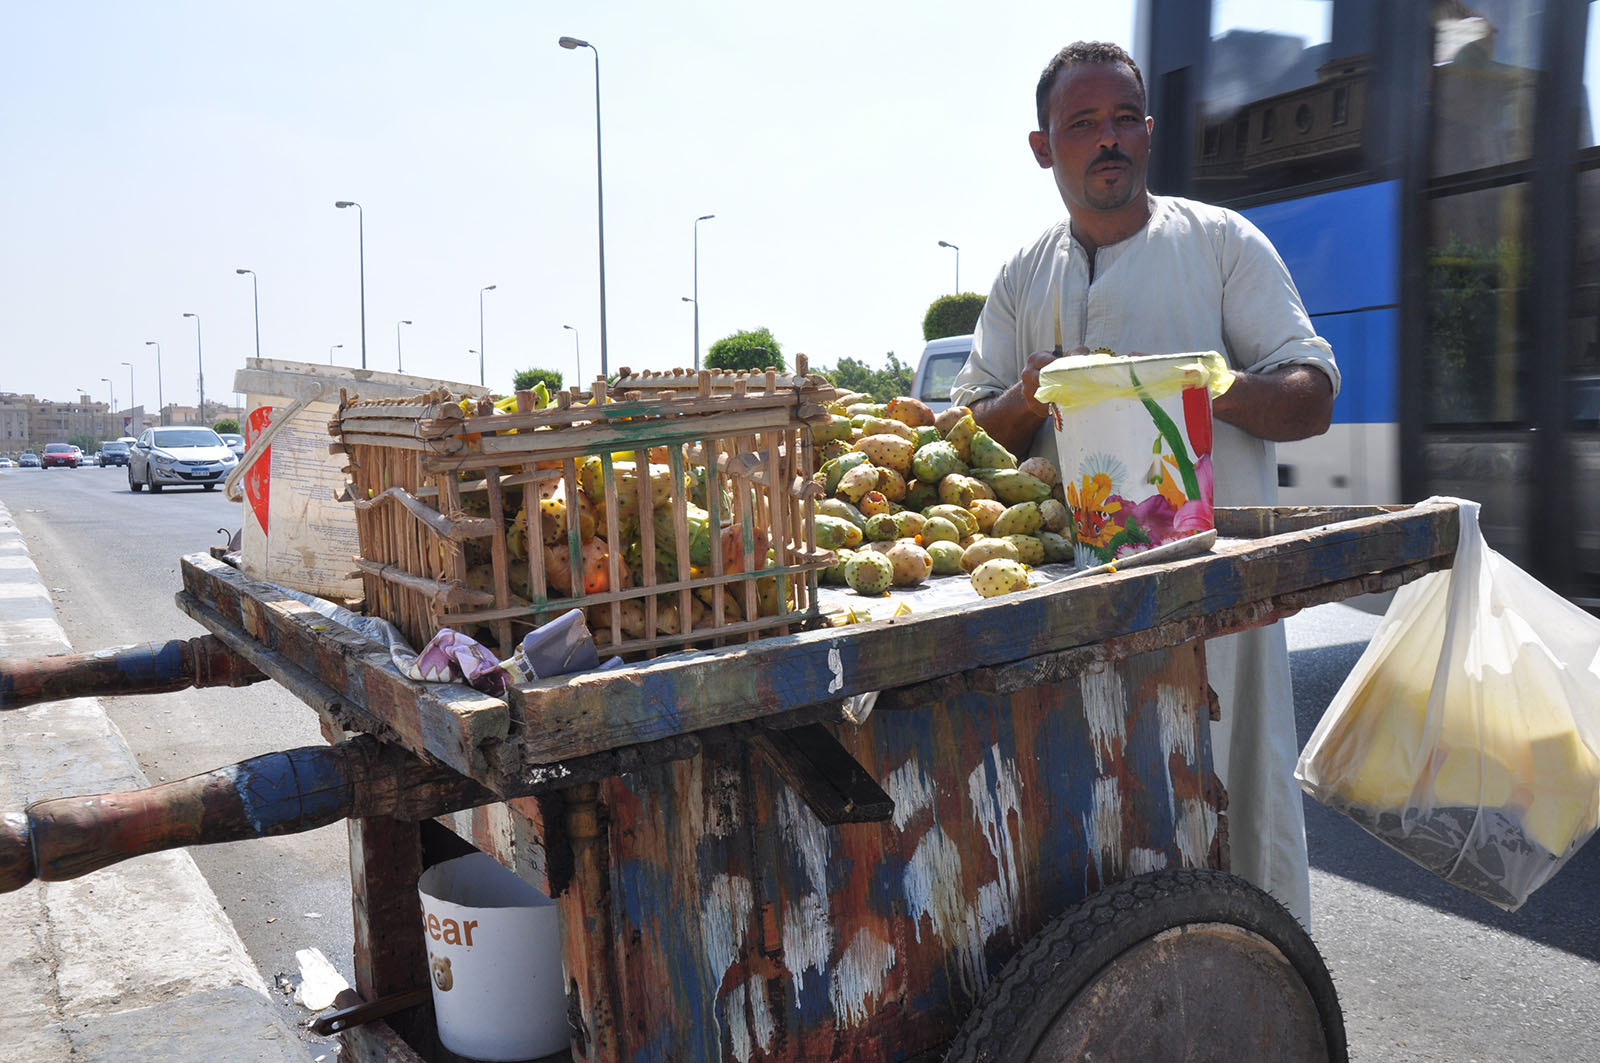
x=527, y=378
x=749, y=351
x=952, y=315
x=881, y=384
x=86, y=443
x=228, y=425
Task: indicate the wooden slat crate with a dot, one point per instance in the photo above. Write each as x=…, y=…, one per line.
x=463, y=519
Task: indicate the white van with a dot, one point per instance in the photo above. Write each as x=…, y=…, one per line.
x=941, y=360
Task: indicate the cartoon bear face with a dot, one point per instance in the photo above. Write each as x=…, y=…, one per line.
x=441, y=973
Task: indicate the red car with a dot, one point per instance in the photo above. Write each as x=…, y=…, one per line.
x=60, y=454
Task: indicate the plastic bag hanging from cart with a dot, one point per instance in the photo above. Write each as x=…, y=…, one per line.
x=1467, y=737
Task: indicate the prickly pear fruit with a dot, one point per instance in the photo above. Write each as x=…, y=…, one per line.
x=987, y=549
x=909, y=524
x=854, y=485
x=934, y=461
x=999, y=576
x=833, y=448
x=835, y=427
x=835, y=532
x=1057, y=548
x=908, y=410
x=1013, y=485
x=1030, y=551
x=869, y=573
x=892, y=485
x=987, y=510
x=945, y=555
x=833, y=470
x=960, y=516
x=873, y=503
x=959, y=435
x=988, y=454
x=912, y=564
x=927, y=434
x=1023, y=518
x=871, y=426
x=1041, y=469
x=959, y=489
x=887, y=451
x=949, y=416
x=882, y=527
x=834, y=573
x=939, y=529
x=1055, y=514
x=920, y=495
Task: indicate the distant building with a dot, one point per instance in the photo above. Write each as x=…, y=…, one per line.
x=14, y=413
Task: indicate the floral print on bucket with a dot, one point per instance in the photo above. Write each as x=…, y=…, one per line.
x=1133, y=438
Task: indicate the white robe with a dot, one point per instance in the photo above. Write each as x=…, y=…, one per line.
x=1195, y=278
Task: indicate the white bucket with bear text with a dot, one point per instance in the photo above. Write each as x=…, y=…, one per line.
x=494, y=959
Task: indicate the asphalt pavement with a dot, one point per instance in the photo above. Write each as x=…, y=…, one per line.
x=134, y=962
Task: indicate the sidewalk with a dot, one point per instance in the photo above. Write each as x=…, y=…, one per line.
x=135, y=962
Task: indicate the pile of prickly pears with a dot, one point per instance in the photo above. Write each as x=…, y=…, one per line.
x=935, y=495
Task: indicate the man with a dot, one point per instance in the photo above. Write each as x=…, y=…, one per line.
x=1139, y=273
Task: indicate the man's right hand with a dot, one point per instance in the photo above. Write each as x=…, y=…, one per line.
x=1013, y=416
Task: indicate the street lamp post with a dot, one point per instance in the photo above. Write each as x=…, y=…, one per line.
x=571, y=43
x=161, y=402
x=481, y=348
x=399, y=358
x=335, y=347
x=361, y=244
x=255, y=299
x=696, y=299
x=200, y=360
x=107, y=382
x=577, y=356
x=131, y=403
x=957, y=250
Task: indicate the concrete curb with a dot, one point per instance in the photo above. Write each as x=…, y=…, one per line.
x=139, y=960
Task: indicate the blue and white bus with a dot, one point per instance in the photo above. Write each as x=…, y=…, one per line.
x=1428, y=169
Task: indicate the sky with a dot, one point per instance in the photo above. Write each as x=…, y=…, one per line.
x=151, y=150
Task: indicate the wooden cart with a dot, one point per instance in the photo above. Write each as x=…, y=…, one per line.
x=745, y=872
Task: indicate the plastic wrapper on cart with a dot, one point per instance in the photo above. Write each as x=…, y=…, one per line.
x=1467, y=736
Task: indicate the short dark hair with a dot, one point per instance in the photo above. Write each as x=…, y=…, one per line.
x=1079, y=54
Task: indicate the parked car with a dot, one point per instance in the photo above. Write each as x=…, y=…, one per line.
x=177, y=456
x=113, y=452
x=29, y=460
x=235, y=443
x=7, y=463
x=63, y=454
x=941, y=360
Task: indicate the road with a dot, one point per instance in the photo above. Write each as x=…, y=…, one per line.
x=1425, y=971
x=110, y=560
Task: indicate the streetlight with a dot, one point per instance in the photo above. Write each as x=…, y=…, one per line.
x=335, y=347
x=131, y=403
x=199, y=358
x=957, y=250
x=570, y=43
x=577, y=356
x=696, y=299
x=361, y=238
x=107, y=382
x=161, y=403
x=399, y=359
x=481, y=347
x=255, y=298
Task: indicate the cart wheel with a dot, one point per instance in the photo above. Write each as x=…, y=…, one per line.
x=1188, y=965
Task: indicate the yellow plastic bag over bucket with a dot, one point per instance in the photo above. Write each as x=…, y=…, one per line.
x=1133, y=442
x=1467, y=737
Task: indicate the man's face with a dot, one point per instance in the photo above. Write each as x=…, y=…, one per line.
x=1098, y=140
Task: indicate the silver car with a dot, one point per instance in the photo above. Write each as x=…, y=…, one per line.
x=178, y=456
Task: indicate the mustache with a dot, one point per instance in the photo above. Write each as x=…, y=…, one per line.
x=1110, y=155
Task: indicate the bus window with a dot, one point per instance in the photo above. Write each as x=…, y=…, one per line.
x=1283, y=96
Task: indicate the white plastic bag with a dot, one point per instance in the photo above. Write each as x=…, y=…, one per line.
x=1467, y=736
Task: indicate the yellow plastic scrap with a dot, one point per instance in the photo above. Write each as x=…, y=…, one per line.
x=902, y=610
x=1080, y=380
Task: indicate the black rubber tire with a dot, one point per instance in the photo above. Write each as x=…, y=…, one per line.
x=134, y=485
x=211, y=487
x=1058, y=979
x=150, y=481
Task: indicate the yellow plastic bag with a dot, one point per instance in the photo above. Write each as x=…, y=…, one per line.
x=1078, y=380
x=1467, y=737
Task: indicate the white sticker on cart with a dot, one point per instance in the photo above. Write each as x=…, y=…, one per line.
x=836, y=666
